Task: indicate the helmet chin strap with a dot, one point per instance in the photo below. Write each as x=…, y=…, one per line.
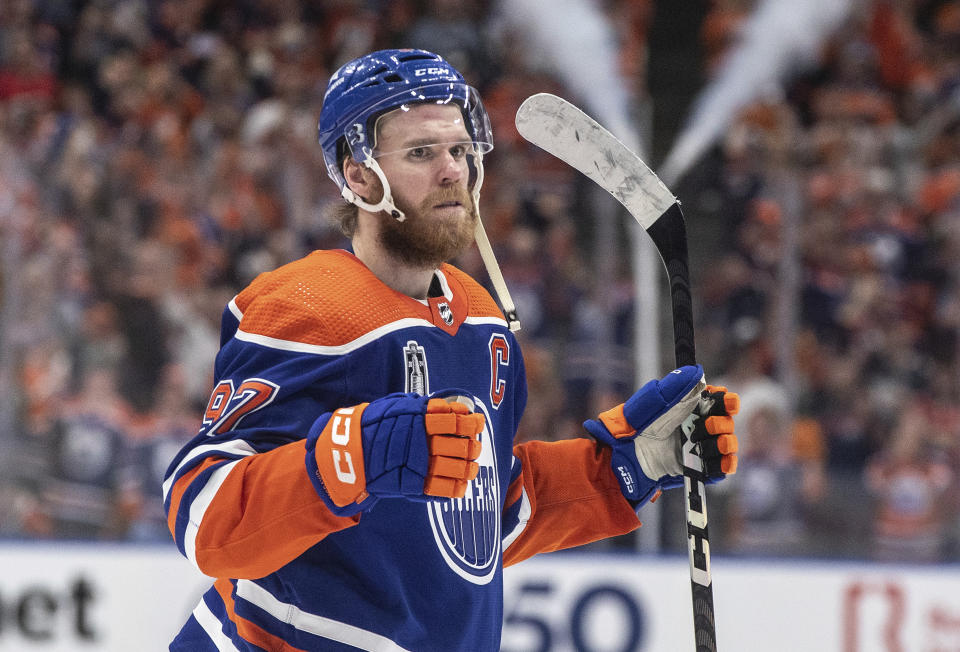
x=488, y=257
x=386, y=202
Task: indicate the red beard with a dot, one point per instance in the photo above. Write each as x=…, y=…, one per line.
x=420, y=241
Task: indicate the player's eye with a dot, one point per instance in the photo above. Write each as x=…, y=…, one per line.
x=459, y=150
x=420, y=153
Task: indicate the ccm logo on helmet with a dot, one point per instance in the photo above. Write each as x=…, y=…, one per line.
x=340, y=437
x=433, y=70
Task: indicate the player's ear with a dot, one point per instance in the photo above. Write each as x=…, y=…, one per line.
x=357, y=177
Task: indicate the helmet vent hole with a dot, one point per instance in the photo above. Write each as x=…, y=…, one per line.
x=417, y=56
x=393, y=78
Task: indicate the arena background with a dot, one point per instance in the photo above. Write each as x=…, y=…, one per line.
x=156, y=155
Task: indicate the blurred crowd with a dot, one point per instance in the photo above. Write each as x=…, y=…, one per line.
x=157, y=155
x=832, y=302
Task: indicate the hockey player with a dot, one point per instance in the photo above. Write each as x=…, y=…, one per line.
x=355, y=483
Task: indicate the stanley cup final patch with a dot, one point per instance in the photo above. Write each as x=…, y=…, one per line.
x=415, y=363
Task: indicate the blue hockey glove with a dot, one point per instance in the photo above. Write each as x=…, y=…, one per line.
x=401, y=445
x=645, y=437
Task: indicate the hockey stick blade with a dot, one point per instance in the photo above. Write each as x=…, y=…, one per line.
x=560, y=128
x=557, y=126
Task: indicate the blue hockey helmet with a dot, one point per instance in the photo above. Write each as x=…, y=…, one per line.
x=366, y=88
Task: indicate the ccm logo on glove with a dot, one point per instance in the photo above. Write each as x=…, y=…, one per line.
x=339, y=439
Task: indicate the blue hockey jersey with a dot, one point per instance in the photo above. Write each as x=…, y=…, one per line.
x=323, y=333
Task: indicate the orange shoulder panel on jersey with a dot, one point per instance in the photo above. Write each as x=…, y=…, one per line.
x=574, y=497
x=293, y=303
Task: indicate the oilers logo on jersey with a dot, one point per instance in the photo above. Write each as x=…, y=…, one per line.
x=467, y=530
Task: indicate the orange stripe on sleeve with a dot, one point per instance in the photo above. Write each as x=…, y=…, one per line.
x=249, y=631
x=181, y=486
x=574, y=498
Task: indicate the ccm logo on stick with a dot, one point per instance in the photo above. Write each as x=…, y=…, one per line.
x=340, y=436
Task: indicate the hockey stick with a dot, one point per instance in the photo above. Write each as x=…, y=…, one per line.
x=578, y=140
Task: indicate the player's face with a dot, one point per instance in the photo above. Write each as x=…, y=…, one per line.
x=424, y=152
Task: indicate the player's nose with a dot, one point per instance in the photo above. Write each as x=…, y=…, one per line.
x=452, y=170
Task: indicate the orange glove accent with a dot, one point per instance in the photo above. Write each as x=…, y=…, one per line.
x=453, y=442
x=617, y=423
x=720, y=424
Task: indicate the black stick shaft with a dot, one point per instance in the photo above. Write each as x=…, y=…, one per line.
x=669, y=234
